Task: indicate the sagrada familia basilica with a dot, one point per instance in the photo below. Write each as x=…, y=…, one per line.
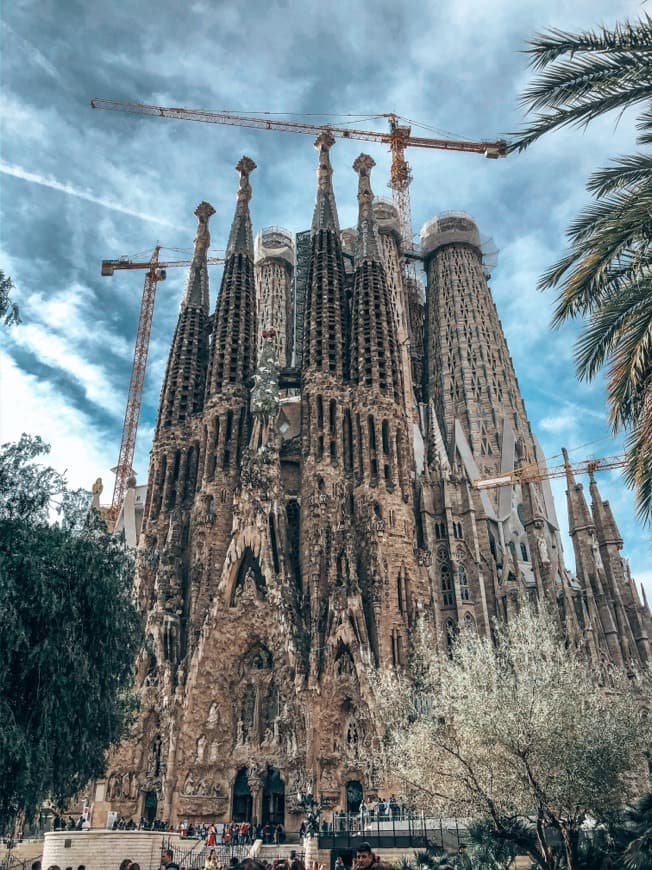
x=310, y=500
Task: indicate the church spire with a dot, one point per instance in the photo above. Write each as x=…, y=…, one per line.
x=197, y=287
x=325, y=214
x=325, y=326
x=605, y=522
x=579, y=515
x=233, y=352
x=241, y=238
x=374, y=346
x=185, y=377
x=368, y=246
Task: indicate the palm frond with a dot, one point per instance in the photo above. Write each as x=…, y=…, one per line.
x=638, y=472
x=585, y=75
x=624, y=171
x=582, y=114
x=606, y=275
x=573, y=82
x=630, y=369
x=608, y=324
x=644, y=126
x=553, y=43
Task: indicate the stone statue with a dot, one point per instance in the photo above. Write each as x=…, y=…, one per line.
x=543, y=550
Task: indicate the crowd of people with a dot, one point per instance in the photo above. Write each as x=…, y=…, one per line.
x=239, y=833
x=294, y=862
x=59, y=823
x=219, y=833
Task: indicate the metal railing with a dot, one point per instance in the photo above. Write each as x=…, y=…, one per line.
x=401, y=829
x=195, y=857
x=11, y=862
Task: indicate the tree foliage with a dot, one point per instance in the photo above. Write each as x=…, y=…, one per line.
x=605, y=278
x=518, y=731
x=69, y=633
x=9, y=312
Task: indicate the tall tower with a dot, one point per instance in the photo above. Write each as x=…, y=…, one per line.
x=174, y=466
x=274, y=257
x=388, y=574
x=486, y=548
x=389, y=237
x=230, y=368
x=326, y=418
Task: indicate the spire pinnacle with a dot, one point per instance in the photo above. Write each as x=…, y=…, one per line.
x=241, y=238
x=325, y=214
x=579, y=516
x=368, y=247
x=197, y=286
x=605, y=521
x=570, y=477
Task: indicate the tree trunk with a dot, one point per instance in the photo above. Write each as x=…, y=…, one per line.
x=571, y=841
x=546, y=851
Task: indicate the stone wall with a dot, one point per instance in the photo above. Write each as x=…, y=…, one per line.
x=103, y=850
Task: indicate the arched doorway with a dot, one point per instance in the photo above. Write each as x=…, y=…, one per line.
x=242, y=802
x=353, y=795
x=150, y=807
x=273, y=798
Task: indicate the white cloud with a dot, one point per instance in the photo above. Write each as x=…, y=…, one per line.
x=47, y=181
x=28, y=404
x=54, y=351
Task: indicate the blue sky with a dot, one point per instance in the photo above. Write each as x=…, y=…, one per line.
x=80, y=185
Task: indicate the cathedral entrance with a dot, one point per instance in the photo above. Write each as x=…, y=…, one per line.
x=151, y=805
x=273, y=798
x=353, y=796
x=242, y=801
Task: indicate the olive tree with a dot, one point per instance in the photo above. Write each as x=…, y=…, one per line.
x=521, y=729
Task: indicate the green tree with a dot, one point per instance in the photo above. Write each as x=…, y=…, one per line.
x=69, y=634
x=517, y=731
x=638, y=830
x=8, y=309
x=604, y=279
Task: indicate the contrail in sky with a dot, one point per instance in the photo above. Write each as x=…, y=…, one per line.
x=48, y=181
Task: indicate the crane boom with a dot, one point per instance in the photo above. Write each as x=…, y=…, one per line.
x=496, y=148
x=534, y=473
x=399, y=137
x=109, y=266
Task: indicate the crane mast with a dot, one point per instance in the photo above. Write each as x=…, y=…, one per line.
x=124, y=468
x=398, y=138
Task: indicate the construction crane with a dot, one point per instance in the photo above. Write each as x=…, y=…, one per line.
x=399, y=137
x=155, y=273
x=533, y=473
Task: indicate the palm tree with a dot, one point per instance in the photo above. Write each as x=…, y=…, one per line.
x=638, y=825
x=605, y=278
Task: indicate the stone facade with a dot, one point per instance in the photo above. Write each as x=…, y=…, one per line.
x=300, y=521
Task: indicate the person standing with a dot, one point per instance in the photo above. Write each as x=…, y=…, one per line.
x=167, y=859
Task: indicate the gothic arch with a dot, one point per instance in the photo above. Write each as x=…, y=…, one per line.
x=248, y=570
